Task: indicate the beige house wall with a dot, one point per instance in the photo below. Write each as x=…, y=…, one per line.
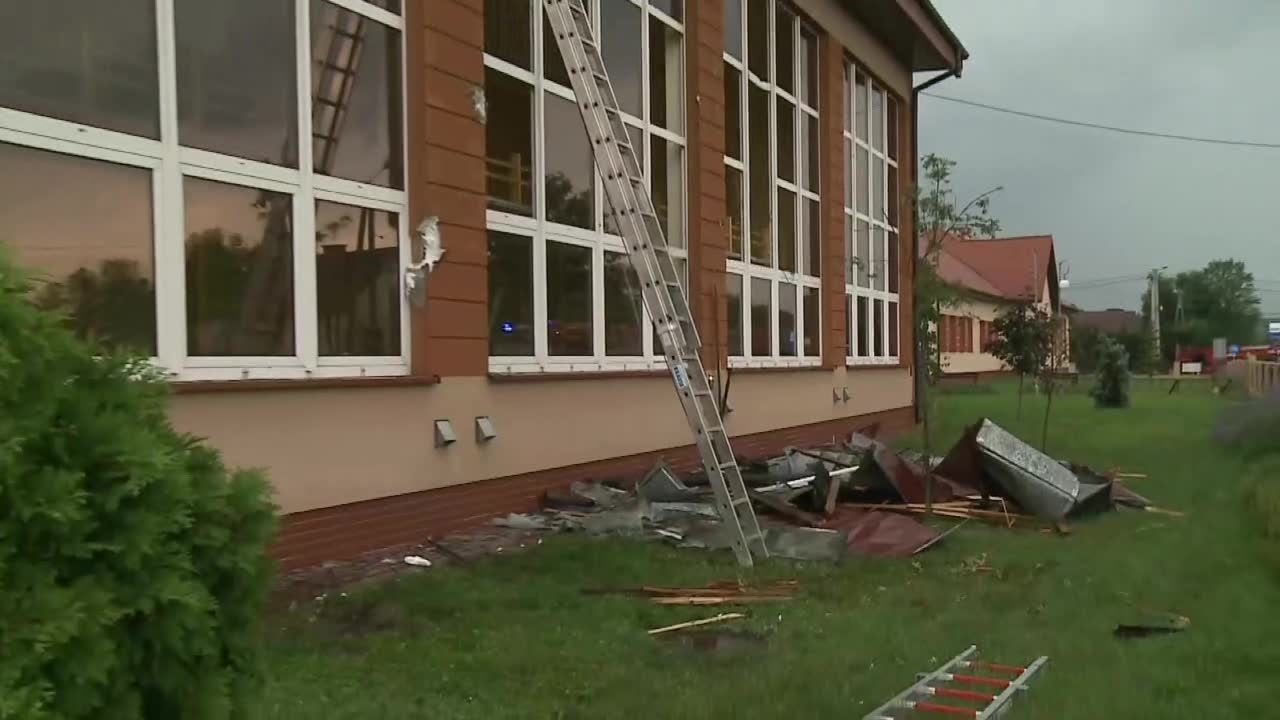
x=334, y=446
x=979, y=309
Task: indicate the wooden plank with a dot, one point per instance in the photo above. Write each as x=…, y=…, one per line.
x=722, y=617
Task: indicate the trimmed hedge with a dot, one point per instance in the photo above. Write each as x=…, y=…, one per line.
x=132, y=562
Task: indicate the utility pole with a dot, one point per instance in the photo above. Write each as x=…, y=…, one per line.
x=1155, y=312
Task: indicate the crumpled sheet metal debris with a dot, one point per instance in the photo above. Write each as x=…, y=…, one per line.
x=800, y=543
x=875, y=533
x=662, y=485
x=907, y=478
x=1037, y=482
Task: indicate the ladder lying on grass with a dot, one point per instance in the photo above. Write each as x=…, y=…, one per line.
x=996, y=693
x=646, y=246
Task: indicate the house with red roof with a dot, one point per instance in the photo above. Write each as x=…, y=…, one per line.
x=992, y=275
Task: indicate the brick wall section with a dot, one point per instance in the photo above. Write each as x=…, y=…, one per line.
x=906, y=233
x=708, y=238
x=835, y=340
x=447, y=179
x=348, y=531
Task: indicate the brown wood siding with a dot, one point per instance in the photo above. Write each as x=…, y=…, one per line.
x=447, y=161
x=708, y=244
x=348, y=531
x=835, y=339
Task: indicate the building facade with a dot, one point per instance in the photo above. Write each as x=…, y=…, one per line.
x=233, y=188
x=992, y=276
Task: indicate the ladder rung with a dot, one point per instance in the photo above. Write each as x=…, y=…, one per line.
x=979, y=680
x=962, y=694
x=946, y=710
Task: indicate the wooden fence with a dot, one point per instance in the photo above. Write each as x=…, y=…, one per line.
x=1262, y=378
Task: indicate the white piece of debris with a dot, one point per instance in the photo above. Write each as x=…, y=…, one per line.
x=417, y=561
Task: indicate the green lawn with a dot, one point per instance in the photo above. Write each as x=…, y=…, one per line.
x=513, y=637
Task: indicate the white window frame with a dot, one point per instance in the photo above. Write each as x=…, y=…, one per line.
x=541, y=231
x=890, y=322
x=169, y=163
x=744, y=267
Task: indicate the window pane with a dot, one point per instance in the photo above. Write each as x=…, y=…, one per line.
x=877, y=331
x=674, y=8
x=388, y=5
x=849, y=179
x=510, y=294
x=785, y=44
x=861, y=181
x=732, y=112
x=850, y=253
x=761, y=318
x=552, y=62
x=892, y=126
x=509, y=143
x=812, y=239
x=848, y=100
x=239, y=253
x=666, y=76
x=682, y=272
x=812, y=322
x=568, y=299
x=508, y=31
x=892, y=200
x=877, y=189
x=636, y=136
x=893, y=262
x=87, y=62
x=879, y=264
x=786, y=141
x=84, y=229
x=860, y=105
x=356, y=119
x=864, y=254
x=570, y=174
x=357, y=280
x=787, y=328
x=733, y=27
x=877, y=119
x=809, y=67
x=760, y=181
x=735, y=315
x=667, y=179
x=786, y=230
x=892, y=330
x=863, y=324
x=620, y=44
x=237, y=87
x=849, y=327
x=758, y=38
x=623, y=319
x=809, y=152
x=733, y=210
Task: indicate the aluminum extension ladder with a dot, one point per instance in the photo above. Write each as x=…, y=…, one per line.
x=997, y=699
x=646, y=246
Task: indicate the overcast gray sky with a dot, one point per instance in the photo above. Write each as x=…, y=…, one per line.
x=1119, y=204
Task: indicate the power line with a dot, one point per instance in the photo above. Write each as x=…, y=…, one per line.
x=1108, y=128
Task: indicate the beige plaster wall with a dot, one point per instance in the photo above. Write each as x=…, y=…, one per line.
x=328, y=447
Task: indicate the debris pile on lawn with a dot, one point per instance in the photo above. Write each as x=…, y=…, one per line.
x=720, y=593
x=857, y=497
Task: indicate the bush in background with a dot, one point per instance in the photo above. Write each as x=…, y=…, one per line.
x=1111, y=388
x=132, y=563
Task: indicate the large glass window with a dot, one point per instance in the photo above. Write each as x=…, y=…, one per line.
x=246, y=222
x=82, y=61
x=84, y=227
x=584, y=296
x=782, y=254
x=871, y=218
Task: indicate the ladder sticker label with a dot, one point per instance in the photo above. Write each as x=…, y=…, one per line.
x=681, y=376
